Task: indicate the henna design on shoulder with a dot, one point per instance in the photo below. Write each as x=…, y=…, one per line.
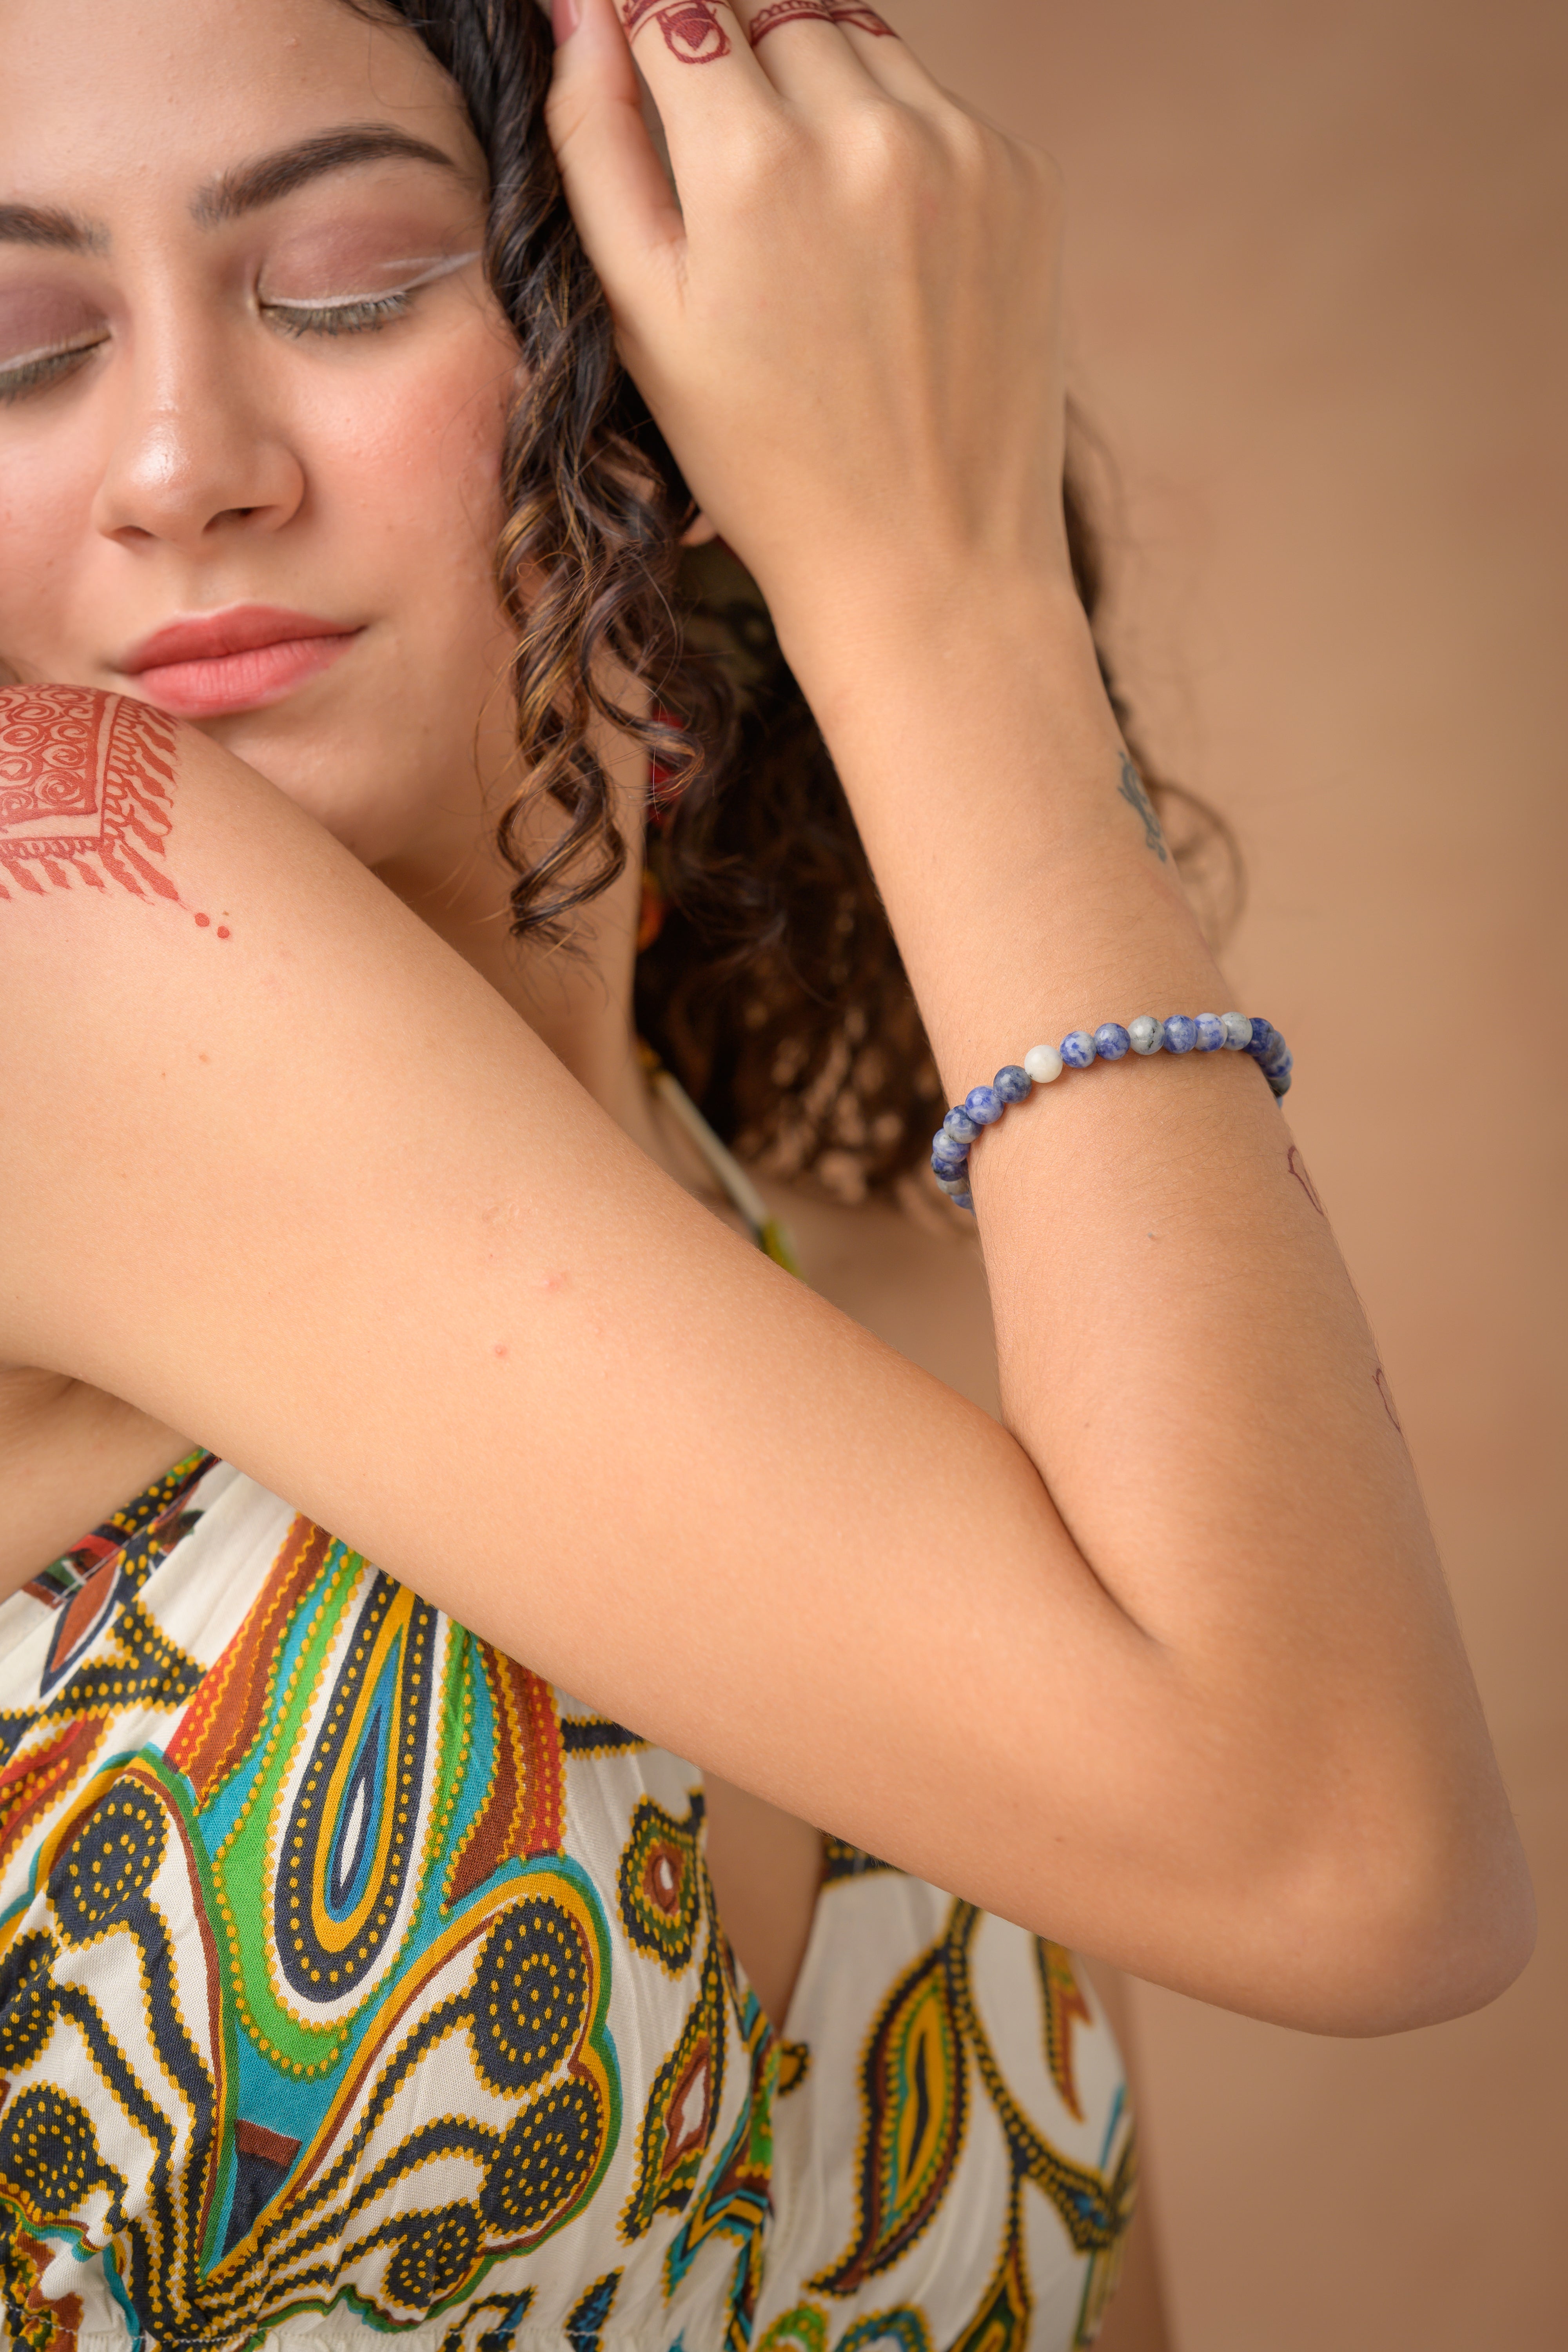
x=86, y=784
x=1298, y=1167
x=1132, y=792
x=691, y=31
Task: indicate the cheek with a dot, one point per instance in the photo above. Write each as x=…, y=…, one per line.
x=45, y=499
x=420, y=463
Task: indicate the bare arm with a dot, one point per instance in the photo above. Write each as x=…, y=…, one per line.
x=1165, y=1667
x=312, y=1193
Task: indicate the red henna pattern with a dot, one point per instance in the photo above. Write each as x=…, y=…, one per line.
x=1386, y=1394
x=823, y=12
x=86, y=781
x=1298, y=1168
x=691, y=31
x=788, y=12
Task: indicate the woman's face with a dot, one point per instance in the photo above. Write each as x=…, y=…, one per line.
x=252, y=390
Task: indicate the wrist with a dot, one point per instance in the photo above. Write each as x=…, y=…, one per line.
x=975, y=741
x=981, y=691
x=874, y=629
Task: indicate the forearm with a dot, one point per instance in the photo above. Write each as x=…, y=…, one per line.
x=1183, y=1355
x=1199, y=1729
x=849, y=330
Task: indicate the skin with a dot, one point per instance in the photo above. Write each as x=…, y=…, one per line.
x=313, y=488
x=1146, y=1646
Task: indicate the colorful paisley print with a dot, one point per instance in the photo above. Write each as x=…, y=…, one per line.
x=355, y=1984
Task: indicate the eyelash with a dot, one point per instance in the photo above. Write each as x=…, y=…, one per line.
x=361, y=318
x=294, y=320
x=48, y=368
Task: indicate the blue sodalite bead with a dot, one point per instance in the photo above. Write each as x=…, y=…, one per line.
x=985, y=1105
x=1271, y=1054
x=1077, y=1049
x=1014, y=1083
x=950, y=1163
x=1146, y=1034
x=952, y=1184
x=962, y=1128
x=948, y=1146
x=1181, y=1034
x=1111, y=1040
x=1211, y=1032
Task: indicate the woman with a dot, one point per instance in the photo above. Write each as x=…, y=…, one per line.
x=356, y=1977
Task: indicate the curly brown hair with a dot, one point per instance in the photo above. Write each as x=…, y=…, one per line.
x=773, y=987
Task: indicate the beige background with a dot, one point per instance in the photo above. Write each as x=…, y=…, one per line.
x=1318, y=299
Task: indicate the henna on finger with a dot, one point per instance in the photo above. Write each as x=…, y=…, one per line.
x=822, y=12
x=788, y=11
x=691, y=31
x=865, y=20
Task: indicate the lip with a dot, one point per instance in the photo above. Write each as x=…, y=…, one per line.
x=238, y=659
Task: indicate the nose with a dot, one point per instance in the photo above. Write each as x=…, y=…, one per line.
x=194, y=455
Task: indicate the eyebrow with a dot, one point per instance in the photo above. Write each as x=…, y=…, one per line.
x=250, y=185
x=42, y=225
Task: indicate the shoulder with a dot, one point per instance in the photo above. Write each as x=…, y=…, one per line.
x=907, y=1272
x=86, y=787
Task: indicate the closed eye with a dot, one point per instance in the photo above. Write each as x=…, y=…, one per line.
x=348, y=314
x=355, y=314
x=51, y=365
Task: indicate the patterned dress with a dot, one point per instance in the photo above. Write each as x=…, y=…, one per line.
x=354, y=1982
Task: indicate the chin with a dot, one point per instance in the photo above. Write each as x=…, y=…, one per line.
x=359, y=781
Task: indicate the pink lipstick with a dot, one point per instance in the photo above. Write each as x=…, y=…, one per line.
x=239, y=659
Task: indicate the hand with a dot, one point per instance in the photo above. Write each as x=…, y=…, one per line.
x=847, y=327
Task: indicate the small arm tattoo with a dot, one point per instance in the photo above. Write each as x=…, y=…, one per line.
x=1298, y=1167
x=86, y=784
x=691, y=31
x=1131, y=791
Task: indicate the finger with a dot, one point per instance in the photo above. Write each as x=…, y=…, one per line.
x=616, y=184
x=798, y=38
x=844, y=14
x=805, y=51
x=884, y=53
x=670, y=38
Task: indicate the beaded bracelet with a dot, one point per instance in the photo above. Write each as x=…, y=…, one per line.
x=1202, y=1033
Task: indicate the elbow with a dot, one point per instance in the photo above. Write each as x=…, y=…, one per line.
x=1389, y=1935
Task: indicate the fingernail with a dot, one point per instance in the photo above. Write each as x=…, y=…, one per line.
x=562, y=19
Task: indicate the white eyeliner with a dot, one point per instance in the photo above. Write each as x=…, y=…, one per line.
x=410, y=285
x=48, y=352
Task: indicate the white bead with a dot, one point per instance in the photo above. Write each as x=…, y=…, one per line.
x=1238, y=1032
x=1145, y=1034
x=1043, y=1062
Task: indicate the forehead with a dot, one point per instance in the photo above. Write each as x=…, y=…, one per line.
x=108, y=107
